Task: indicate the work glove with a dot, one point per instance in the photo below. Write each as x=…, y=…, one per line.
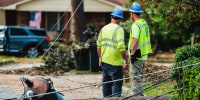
x=133, y=58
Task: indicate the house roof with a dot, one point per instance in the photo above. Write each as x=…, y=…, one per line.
x=119, y=2
x=63, y=5
x=7, y=2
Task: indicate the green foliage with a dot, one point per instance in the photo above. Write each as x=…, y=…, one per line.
x=90, y=32
x=12, y=58
x=172, y=23
x=187, y=52
x=187, y=55
x=59, y=58
x=4, y=59
x=83, y=72
x=159, y=89
x=126, y=26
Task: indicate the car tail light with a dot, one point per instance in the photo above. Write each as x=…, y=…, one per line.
x=47, y=39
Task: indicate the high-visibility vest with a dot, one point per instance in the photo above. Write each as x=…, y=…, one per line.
x=144, y=43
x=111, y=42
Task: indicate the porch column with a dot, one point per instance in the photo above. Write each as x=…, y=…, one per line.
x=67, y=31
x=18, y=21
x=2, y=17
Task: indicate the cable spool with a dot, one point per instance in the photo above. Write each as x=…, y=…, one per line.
x=38, y=86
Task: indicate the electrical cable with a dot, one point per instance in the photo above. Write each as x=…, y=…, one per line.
x=5, y=89
x=36, y=47
x=148, y=87
x=117, y=80
x=60, y=33
x=46, y=51
x=56, y=40
x=135, y=88
x=175, y=90
x=55, y=24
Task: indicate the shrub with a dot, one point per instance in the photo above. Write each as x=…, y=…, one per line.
x=59, y=58
x=90, y=32
x=187, y=52
x=126, y=26
x=187, y=76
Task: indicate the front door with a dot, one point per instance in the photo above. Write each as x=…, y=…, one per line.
x=2, y=37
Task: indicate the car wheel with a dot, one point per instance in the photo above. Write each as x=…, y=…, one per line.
x=33, y=52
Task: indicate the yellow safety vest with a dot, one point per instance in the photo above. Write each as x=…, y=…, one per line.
x=111, y=42
x=144, y=43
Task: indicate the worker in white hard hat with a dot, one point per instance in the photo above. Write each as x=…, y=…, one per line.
x=112, y=55
x=139, y=47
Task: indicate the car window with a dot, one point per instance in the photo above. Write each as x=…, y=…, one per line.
x=2, y=31
x=17, y=31
x=39, y=32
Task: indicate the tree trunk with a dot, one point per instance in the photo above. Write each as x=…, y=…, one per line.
x=192, y=40
x=78, y=20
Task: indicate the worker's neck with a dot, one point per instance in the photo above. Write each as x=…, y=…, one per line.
x=115, y=21
x=137, y=18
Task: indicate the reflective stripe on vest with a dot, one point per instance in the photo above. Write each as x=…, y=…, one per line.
x=111, y=40
x=141, y=26
x=143, y=45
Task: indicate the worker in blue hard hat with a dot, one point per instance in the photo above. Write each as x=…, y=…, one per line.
x=139, y=47
x=117, y=13
x=112, y=54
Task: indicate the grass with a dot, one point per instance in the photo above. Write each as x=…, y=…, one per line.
x=160, y=89
x=16, y=59
x=83, y=72
x=4, y=59
x=156, y=90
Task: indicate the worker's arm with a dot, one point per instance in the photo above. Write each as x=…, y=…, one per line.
x=123, y=54
x=134, y=46
x=99, y=54
x=121, y=47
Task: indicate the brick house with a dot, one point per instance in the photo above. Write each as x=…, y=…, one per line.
x=97, y=12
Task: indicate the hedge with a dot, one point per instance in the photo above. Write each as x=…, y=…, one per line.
x=187, y=76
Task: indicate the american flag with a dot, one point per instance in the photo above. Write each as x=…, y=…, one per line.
x=35, y=19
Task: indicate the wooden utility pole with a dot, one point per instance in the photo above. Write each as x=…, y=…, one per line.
x=78, y=20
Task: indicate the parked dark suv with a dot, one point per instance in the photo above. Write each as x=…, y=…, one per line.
x=21, y=39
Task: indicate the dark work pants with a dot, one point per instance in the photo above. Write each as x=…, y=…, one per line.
x=111, y=73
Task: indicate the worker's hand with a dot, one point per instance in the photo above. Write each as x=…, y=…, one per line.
x=133, y=58
x=99, y=61
x=125, y=67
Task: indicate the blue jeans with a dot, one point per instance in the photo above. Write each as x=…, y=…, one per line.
x=110, y=73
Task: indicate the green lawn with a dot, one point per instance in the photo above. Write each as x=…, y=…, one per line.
x=83, y=72
x=15, y=59
x=4, y=58
x=158, y=89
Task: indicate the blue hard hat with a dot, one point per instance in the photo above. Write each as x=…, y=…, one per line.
x=136, y=8
x=117, y=12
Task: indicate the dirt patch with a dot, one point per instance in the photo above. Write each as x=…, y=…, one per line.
x=31, y=71
x=165, y=57
x=150, y=68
